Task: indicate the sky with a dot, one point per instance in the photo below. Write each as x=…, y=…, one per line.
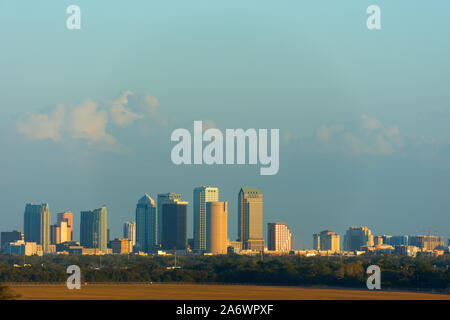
x=87, y=115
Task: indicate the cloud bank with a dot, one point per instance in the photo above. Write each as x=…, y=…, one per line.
x=369, y=137
x=89, y=121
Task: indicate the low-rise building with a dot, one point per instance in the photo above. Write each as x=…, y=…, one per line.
x=21, y=247
x=121, y=246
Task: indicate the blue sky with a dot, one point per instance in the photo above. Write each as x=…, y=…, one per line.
x=363, y=115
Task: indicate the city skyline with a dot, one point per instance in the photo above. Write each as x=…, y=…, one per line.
x=368, y=238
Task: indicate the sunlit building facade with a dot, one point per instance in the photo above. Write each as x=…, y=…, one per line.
x=250, y=219
x=358, y=237
x=93, y=229
x=37, y=224
x=217, y=227
x=146, y=224
x=202, y=195
x=279, y=237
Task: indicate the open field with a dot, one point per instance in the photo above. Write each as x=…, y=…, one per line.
x=206, y=292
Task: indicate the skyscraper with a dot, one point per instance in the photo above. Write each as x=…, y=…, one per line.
x=93, y=229
x=217, y=227
x=279, y=237
x=357, y=237
x=146, y=222
x=202, y=195
x=129, y=232
x=58, y=233
x=37, y=224
x=174, y=225
x=164, y=198
x=66, y=216
x=326, y=241
x=250, y=219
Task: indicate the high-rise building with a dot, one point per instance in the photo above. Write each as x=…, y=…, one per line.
x=202, y=195
x=357, y=237
x=316, y=241
x=426, y=242
x=146, y=222
x=174, y=225
x=377, y=240
x=10, y=236
x=279, y=237
x=129, y=232
x=250, y=219
x=164, y=198
x=217, y=227
x=66, y=216
x=59, y=233
x=326, y=241
x=94, y=229
x=37, y=224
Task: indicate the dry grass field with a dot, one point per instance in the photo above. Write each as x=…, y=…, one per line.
x=207, y=292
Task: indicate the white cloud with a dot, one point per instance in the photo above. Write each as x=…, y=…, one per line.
x=120, y=114
x=325, y=133
x=384, y=146
x=43, y=126
x=375, y=140
x=86, y=122
x=391, y=131
x=354, y=145
x=370, y=123
x=151, y=103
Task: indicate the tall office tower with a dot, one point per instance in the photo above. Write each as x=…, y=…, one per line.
x=129, y=232
x=94, y=229
x=10, y=236
x=174, y=225
x=37, y=224
x=326, y=241
x=146, y=222
x=279, y=237
x=58, y=233
x=316, y=241
x=66, y=216
x=250, y=219
x=426, y=242
x=377, y=240
x=217, y=227
x=357, y=237
x=202, y=195
x=386, y=239
x=164, y=198
x=55, y=234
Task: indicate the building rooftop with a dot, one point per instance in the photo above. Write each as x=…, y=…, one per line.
x=146, y=199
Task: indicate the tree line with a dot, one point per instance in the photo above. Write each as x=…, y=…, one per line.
x=424, y=273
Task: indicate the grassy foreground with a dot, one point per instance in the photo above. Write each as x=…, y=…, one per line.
x=206, y=292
